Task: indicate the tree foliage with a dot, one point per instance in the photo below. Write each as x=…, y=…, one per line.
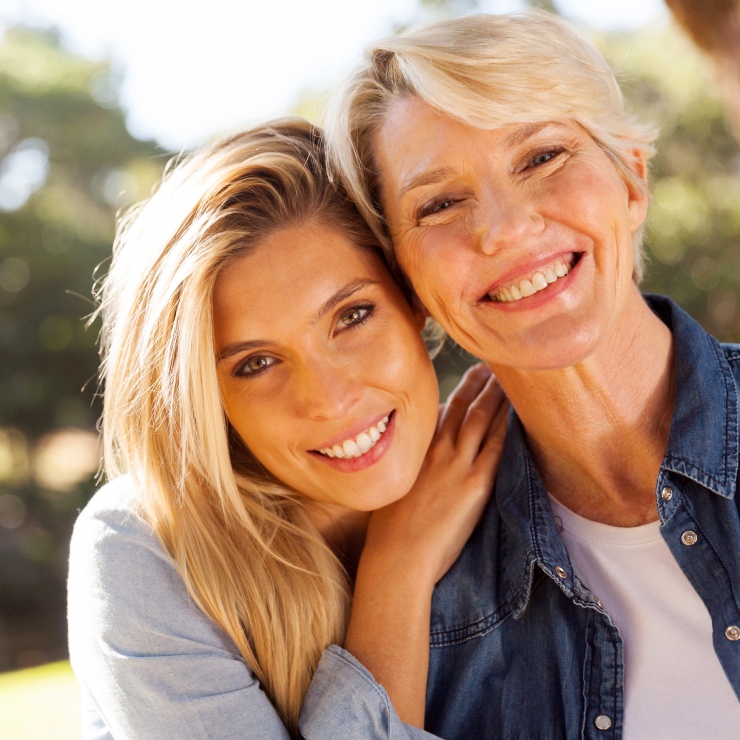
x=67, y=163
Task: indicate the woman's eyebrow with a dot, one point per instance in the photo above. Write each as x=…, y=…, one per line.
x=341, y=295
x=424, y=178
x=525, y=132
x=233, y=349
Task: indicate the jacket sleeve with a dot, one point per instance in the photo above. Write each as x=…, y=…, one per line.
x=149, y=662
x=344, y=702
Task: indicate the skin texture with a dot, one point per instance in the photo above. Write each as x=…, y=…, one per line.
x=585, y=362
x=324, y=379
x=323, y=375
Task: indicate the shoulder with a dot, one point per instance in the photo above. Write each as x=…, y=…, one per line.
x=123, y=586
x=116, y=504
x=732, y=355
x=111, y=534
x=150, y=663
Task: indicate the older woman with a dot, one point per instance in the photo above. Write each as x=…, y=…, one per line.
x=600, y=596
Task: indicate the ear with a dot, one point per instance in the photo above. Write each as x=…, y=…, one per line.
x=638, y=196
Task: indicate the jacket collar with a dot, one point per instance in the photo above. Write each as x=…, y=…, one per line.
x=702, y=445
x=703, y=440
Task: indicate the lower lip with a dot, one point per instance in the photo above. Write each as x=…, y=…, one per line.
x=541, y=296
x=355, y=464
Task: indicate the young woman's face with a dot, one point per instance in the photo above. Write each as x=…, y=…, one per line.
x=322, y=368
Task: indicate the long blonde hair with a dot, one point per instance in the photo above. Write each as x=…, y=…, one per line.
x=486, y=71
x=242, y=543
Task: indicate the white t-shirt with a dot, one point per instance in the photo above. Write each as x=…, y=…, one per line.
x=675, y=687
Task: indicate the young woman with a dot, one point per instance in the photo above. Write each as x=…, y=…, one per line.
x=267, y=387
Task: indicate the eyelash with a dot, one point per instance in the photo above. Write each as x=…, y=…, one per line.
x=551, y=153
x=368, y=308
x=239, y=371
x=430, y=209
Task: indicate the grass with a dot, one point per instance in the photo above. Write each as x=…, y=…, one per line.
x=40, y=704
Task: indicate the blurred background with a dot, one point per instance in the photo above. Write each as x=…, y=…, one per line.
x=96, y=97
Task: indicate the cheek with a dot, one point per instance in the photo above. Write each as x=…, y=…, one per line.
x=249, y=416
x=430, y=265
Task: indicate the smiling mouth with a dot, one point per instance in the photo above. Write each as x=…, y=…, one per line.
x=361, y=444
x=537, y=281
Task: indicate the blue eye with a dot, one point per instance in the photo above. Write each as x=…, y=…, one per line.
x=255, y=365
x=545, y=157
x=440, y=206
x=435, y=207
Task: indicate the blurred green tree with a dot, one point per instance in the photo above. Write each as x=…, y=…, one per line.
x=67, y=163
x=693, y=230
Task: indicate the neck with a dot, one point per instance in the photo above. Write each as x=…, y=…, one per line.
x=343, y=529
x=598, y=430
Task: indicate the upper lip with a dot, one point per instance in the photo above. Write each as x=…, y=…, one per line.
x=525, y=270
x=352, y=432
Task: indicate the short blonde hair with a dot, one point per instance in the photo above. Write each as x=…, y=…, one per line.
x=486, y=71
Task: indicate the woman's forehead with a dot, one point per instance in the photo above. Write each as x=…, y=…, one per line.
x=418, y=144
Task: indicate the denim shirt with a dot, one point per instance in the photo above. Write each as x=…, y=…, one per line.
x=520, y=648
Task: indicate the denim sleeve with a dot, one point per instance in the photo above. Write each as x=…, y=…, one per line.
x=344, y=702
x=149, y=662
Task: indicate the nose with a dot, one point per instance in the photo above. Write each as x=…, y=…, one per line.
x=508, y=219
x=327, y=389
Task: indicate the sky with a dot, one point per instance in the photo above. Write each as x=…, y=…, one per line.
x=192, y=69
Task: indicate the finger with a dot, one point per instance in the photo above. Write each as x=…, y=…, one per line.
x=458, y=402
x=493, y=445
x=478, y=418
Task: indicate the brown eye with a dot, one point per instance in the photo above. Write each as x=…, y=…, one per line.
x=355, y=315
x=255, y=365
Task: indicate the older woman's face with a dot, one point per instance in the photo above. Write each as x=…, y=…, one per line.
x=517, y=239
x=322, y=368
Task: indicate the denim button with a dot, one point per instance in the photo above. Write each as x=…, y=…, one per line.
x=732, y=632
x=603, y=722
x=667, y=493
x=689, y=537
x=561, y=571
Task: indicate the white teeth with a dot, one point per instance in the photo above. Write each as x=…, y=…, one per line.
x=539, y=281
x=351, y=448
x=358, y=446
x=529, y=286
x=364, y=442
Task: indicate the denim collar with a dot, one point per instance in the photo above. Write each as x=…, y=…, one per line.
x=702, y=445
